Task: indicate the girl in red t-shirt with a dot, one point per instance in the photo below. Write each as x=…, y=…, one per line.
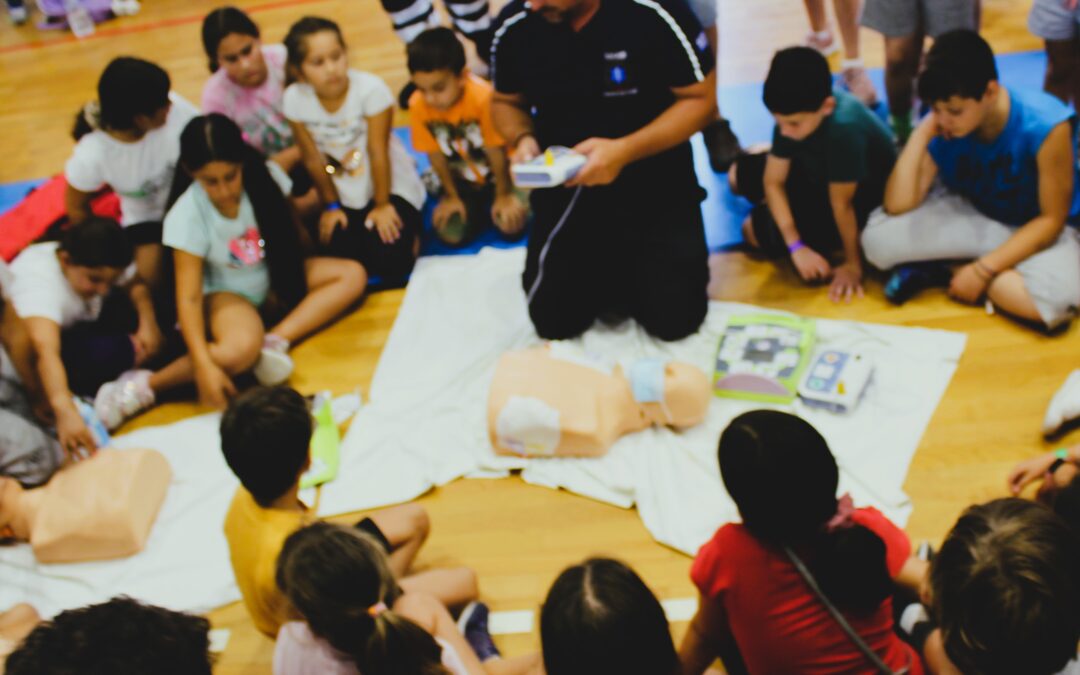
x=757, y=612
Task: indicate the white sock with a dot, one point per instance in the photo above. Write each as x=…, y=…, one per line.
x=1064, y=406
x=848, y=64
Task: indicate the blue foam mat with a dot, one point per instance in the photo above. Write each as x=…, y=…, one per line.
x=722, y=211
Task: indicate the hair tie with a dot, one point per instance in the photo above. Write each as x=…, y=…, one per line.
x=845, y=508
x=91, y=113
x=376, y=609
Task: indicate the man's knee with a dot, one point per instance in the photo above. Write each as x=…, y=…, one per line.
x=675, y=316
x=552, y=324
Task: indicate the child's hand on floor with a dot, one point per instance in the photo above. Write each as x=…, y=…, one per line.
x=1038, y=468
x=509, y=213
x=330, y=221
x=846, y=283
x=447, y=207
x=214, y=385
x=810, y=265
x=386, y=220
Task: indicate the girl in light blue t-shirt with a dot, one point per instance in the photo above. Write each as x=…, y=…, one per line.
x=239, y=257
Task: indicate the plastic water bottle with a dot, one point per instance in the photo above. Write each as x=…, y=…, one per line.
x=78, y=19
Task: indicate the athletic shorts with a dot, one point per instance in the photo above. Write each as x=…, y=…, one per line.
x=901, y=18
x=1050, y=20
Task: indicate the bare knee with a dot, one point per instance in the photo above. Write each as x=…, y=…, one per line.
x=353, y=277
x=416, y=520
x=239, y=353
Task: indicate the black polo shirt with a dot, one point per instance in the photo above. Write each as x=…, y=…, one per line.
x=609, y=79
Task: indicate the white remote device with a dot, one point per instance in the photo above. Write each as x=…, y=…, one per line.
x=554, y=166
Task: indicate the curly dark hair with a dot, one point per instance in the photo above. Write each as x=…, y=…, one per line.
x=119, y=637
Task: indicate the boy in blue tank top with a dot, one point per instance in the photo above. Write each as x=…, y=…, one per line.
x=988, y=178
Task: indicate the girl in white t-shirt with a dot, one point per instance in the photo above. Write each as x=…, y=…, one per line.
x=341, y=119
x=239, y=258
x=132, y=149
x=357, y=619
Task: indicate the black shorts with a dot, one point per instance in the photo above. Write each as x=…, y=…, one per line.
x=301, y=180
x=148, y=232
x=810, y=206
x=368, y=526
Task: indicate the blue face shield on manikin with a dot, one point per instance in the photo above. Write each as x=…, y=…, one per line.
x=647, y=380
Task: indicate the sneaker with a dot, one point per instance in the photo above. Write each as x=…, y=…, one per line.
x=858, y=83
x=274, y=365
x=907, y=280
x=823, y=42
x=405, y=94
x=722, y=144
x=123, y=398
x=473, y=624
x=18, y=15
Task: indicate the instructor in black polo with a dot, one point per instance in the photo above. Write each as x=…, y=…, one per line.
x=625, y=82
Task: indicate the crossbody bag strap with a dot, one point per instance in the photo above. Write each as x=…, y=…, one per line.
x=870, y=654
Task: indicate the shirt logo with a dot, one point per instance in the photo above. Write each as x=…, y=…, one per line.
x=702, y=42
x=617, y=75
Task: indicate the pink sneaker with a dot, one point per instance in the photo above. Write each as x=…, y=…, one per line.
x=858, y=83
x=123, y=398
x=824, y=42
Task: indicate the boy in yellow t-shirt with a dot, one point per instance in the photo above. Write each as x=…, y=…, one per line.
x=265, y=435
x=450, y=115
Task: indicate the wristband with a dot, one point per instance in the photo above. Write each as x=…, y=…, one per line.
x=333, y=206
x=1062, y=456
x=795, y=246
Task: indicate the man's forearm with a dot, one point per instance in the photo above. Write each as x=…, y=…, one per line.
x=511, y=121
x=677, y=124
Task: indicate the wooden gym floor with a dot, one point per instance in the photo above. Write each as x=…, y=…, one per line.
x=516, y=536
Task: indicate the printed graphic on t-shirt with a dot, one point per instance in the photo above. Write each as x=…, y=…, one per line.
x=618, y=79
x=267, y=130
x=337, y=136
x=153, y=186
x=463, y=145
x=247, y=249
x=997, y=185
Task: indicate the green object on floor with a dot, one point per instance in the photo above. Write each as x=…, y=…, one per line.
x=325, y=445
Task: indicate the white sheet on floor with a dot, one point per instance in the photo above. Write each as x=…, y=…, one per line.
x=185, y=565
x=425, y=426
x=425, y=421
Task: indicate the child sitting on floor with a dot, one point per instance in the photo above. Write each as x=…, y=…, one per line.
x=131, y=144
x=760, y=610
x=371, y=193
x=265, y=437
x=600, y=617
x=450, y=115
x=1005, y=589
x=825, y=173
x=357, y=619
x=88, y=317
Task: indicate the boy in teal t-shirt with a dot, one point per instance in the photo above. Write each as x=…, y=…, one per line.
x=826, y=171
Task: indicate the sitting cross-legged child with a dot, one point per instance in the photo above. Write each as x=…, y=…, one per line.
x=826, y=171
x=450, y=115
x=356, y=618
x=265, y=437
x=600, y=617
x=775, y=588
x=1007, y=198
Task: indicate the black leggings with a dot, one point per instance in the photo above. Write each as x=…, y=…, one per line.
x=391, y=262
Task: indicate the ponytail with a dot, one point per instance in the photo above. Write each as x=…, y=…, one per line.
x=339, y=580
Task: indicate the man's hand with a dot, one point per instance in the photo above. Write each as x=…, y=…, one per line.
x=147, y=340
x=846, y=283
x=606, y=158
x=214, y=385
x=447, y=207
x=330, y=221
x=509, y=213
x=386, y=220
x=968, y=285
x=526, y=149
x=810, y=265
x=75, y=437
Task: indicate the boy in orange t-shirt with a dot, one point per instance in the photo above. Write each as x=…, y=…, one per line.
x=450, y=116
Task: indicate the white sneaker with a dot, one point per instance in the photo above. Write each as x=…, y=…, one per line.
x=1065, y=406
x=274, y=365
x=18, y=15
x=124, y=397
